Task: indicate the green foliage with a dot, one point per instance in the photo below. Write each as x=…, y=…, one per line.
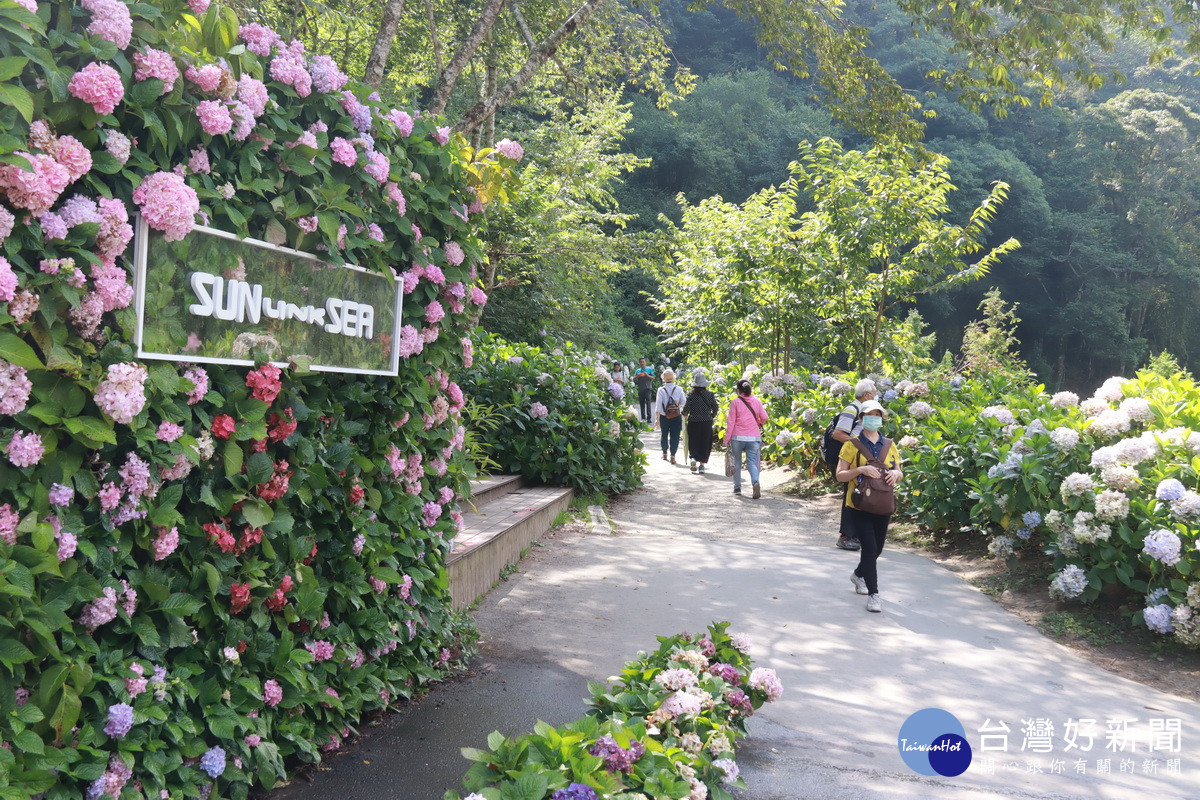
x=989, y=344
x=587, y=437
x=681, y=753
x=340, y=555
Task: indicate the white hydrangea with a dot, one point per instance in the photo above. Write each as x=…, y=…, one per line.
x=1138, y=409
x=1087, y=530
x=1064, y=400
x=1069, y=583
x=1036, y=428
x=1103, y=456
x=1094, y=406
x=1112, y=505
x=921, y=409
x=1056, y=521
x=903, y=386
x=1193, y=441
x=1000, y=413
x=1110, y=391
x=784, y=438
x=788, y=379
x=614, y=429
x=1111, y=422
x=1163, y=545
x=917, y=390
x=1076, y=484
x=910, y=441
x=827, y=381
x=1137, y=450
x=809, y=416
x=1119, y=476
x=1067, y=544
x=1001, y=546
x=1064, y=438
x=1188, y=505
x=1158, y=618
x=840, y=388
x=1022, y=446
x=1173, y=436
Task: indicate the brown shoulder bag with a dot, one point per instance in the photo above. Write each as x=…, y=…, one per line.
x=874, y=495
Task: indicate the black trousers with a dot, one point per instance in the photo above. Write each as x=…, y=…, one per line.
x=646, y=404
x=700, y=440
x=870, y=530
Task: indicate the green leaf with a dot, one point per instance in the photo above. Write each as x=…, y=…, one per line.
x=233, y=458
x=14, y=349
x=213, y=577
x=181, y=605
x=67, y=714
x=258, y=514
x=93, y=428
x=18, y=98
x=13, y=652
x=29, y=742
x=259, y=468
x=11, y=67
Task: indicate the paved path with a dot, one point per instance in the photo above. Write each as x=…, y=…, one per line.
x=686, y=551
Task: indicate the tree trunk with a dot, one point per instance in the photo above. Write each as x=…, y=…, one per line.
x=449, y=76
x=433, y=37
x=544, y=52
x=384, y=37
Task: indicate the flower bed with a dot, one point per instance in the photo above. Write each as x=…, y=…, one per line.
x=208, y=573
x=666, y=727
x=562, y=421
x=1108, y=485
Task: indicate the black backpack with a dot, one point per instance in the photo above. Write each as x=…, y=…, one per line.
x=831, y=447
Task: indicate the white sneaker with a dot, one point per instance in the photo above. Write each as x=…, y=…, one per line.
x=873, y=603
x=860, y=584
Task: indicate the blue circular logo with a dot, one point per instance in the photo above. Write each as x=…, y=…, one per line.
x=933, y=742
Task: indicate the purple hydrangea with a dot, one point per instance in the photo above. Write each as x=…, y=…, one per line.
x=120, y=720
x=1031, y=519
x=1158, y=618
x=616, y=390
x=726, y=672
x=576, y=791
x=739, y=701
x=617, y=758
x=1169, y=489
x=213, y=762
x=61, y=495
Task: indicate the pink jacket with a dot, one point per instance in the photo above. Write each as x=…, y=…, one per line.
x=740, y=422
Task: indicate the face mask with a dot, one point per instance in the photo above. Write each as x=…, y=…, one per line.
x=872, y=422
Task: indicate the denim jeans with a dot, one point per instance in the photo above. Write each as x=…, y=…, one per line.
x=671, y=429
x=752, y=451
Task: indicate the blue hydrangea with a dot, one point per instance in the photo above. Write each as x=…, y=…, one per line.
x=1164, y=546
x=213, y=762
x=1032, y=519
x=1169, y=489
x=120, y=720
x=576, y=791
x=956, y=382
x=1158, y=618
x=1024, y=533
x=890, y=395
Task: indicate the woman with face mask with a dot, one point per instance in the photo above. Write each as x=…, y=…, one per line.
x=870, y=528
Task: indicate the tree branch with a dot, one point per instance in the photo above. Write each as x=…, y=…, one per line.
x=540, y=55
x=449, y=76
x=384, y=37
x=433, y=37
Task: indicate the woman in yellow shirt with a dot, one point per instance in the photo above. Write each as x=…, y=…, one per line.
x=871, y=529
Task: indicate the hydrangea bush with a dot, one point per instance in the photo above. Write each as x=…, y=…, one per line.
x=562, y=421
x=1109, y=485
x=208, y=573
x=666, y=726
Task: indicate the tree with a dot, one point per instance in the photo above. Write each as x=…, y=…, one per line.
x=878, y=230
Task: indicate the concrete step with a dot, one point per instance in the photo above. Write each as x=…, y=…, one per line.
x=486, y=490
x=494, y=537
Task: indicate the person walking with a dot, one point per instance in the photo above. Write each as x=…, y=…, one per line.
x=699, y=411
x=643, y=376
x=668, y=414
x=743, y=427
x=619, y=374
x=849, y=425
x=869, y=455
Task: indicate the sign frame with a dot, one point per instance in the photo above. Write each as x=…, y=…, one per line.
x=141, y=268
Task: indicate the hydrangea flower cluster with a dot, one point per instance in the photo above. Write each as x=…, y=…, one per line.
x=1069, y=583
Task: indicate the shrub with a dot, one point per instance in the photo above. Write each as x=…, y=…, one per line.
x=667, y=727
x=561, y=422
x=208, y=573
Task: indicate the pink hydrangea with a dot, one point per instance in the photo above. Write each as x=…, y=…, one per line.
x=25, y=449
x=121, y=395
x=79, y=210
x=198, y=7
x=165, y=542
x=253, y=93
x=8, y=524
x=207, y=78
x=431, y=511
x=110, y=496
x=434, y=312
x=100, y=611
x=396, y=196
x=538, y=410
x=288, y=68
x=99, y=85
x=177, y=471
x=73, y=156
x=378, y=586
x=118, y=145
x=153, y=63
x=258, y=39
x=510, y=149
x=374, y=232
x=28, y=5
x=245, y=118
x=112, y=286
x=343, y=151
x=169, y=431
x=377, y=166
x=115, y=230
x=264, y=383
x=15, y=387
x=272, y=691
x=434, y=274
x=7, y=221
x=199, y=379
x=307, y=224
x=401, y=120
x=111, y=21
x=54, y=227
x=67, y=543
x=410, y=342
x=454, y=253
x=214, y=117
x=468, y=351
x=36, y=189
x=326, y=76
x=199, y=162
x=168, y=204
x=441, y=134
x=321, y=650
x=478, y=296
